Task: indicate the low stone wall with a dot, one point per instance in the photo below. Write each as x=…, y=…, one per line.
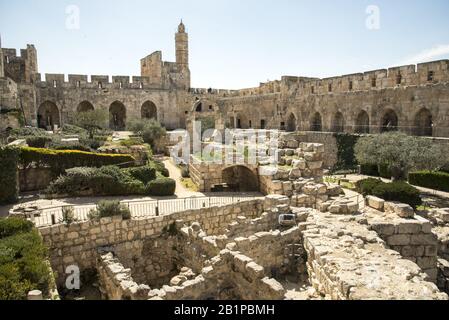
x=330, y=145
x=348, y=261
x=78, y=243
x=412, y=237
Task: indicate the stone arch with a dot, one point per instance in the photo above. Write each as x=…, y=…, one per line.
x=292, y=124
x=338, y=122
x=240, y=178
x=117, y=116
x=198, y=107
x=242, y=121
x=423, y=123
x=148, y=110
x=389, y=121
x=85, y=106
x=362, y=122
x=48, y=115
x=316, y=123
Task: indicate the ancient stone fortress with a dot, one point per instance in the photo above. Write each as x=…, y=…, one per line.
x=413, y=99
x=305, y=240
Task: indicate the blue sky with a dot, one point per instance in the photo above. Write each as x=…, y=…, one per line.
x=233, y=43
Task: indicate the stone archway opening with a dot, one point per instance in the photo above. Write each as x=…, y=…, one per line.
x=48, y=116
x=389, y=121
x=117, y=116
x=362, y=122
x=292, y=124
x=338, y=123
x=85, y=106
x=240, y=179
x=423, y=123
x=316, y=123
x=149, y=110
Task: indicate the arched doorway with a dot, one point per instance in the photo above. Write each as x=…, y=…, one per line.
x=291, y=123
x=338, y=123
x=117, y=116
x=149, y=110
x=362, y=122
x=423, y=123
x=242, y=122
x=85, y=106
x=389, y=121
x=48, y=116
x=316, y=123
x=240, y=179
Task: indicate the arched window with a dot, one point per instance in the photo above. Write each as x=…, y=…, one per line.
x=423, y=123
x=316, y=123
x=338, y=123
x=85, y=106
x=389, y=121
x=149, y=110
x=362, y=122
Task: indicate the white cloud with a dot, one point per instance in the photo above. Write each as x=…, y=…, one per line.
x=427, y=55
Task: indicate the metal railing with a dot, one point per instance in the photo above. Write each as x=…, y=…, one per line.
x=142, y=209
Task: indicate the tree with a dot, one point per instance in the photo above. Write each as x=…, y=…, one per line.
x=92, y=121
x=401, y=153
x=150, y=130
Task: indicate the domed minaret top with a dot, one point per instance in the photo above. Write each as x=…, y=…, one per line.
x=181, y=28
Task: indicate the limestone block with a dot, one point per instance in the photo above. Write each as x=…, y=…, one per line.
x=35, y=295
x=383, y=228
x=255, y=271
x=409, y=227
x=423, y=239
x=299, y=164
x=294, y=174
x=398, y=240
x=289, y=152
x=401, y=209
x=375, y=203
x=314, y=165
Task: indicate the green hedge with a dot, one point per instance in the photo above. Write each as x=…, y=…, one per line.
x=107, y=180
x=23, y=257
x=369, y=170
x=431, y=180
x=345, y=151
x=160, y=167
x=9, y=190
x=395, y=191
x=60, y=160
x=161, y=187
x=145, y=173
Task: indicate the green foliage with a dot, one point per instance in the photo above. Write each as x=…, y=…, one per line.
x=150, y=130
x=22, y=260
x=107, y=180
x=160, y=167
x=71, y=129
x=345, y=146
x=385, y=171
x=132, y=142
x=107, y=208
x=430, y=179
x=207, y=123
x=366, y=186
x=60, y=160
x=161, y=187
x=399, y=152
x=396, y=191
x=12, y=226
x=68, y=215
x=144, y=174
x=28, y=132
x=92, y=121
x=9, y=191
x=370, y=170
x=38, y=141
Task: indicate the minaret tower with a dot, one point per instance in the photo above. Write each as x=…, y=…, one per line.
x=182, y=55
x=2, y=68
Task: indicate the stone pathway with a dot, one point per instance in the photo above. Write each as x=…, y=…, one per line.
x=175, y=174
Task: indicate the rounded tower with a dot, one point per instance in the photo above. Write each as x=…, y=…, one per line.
x=182, y=46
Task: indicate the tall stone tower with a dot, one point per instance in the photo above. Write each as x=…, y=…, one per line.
x=2, y=69
x=182, y=55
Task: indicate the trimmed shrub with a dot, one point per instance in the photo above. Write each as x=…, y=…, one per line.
x=38, y=142
x=60, y=160
x=144, y=174
x=398, y=191
x=384, y=171
x=437, y=180
x=9, y=190
x=23, y=257
x=161, y=187
x=160, y=167
x=366, y=186
x=107, y=208
x=369, y=170
x=107, y=180
x=12, y=226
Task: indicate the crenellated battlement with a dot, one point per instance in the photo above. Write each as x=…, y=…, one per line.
x=93, y=81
